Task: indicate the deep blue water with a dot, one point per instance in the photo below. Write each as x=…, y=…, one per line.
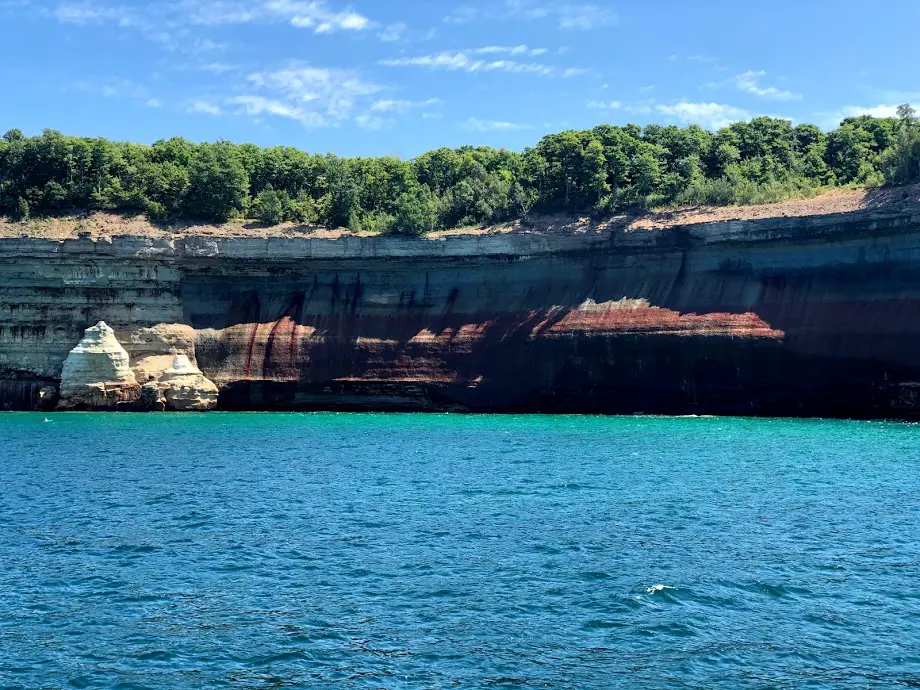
x=388, y=551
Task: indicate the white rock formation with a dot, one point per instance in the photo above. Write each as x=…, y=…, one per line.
x=185, y=388
x=97, y=373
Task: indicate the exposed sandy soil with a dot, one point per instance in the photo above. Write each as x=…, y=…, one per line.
x=112, y=224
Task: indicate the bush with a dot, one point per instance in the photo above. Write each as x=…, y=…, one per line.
x=22, y=210
x=416, y=213
x=218, y=183
x=269, y=206
x=302, y=209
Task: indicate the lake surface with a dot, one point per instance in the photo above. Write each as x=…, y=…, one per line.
x=404, y=551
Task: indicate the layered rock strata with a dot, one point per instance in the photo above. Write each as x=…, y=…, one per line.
x=184, y=388
x=96, y=373
x=788, y=316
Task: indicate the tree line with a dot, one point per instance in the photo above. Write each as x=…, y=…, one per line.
x=600, y=171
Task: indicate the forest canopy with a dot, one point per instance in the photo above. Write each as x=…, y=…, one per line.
x=599, y=171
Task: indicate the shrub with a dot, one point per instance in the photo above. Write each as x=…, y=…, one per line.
x=22, y=209
x=269, y=206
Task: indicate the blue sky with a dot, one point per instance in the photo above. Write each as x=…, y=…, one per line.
x=375, y=77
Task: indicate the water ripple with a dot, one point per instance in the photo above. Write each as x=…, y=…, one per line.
x=404, y=551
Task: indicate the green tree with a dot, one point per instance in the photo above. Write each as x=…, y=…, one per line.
x=416, y=212
x=270, y=205
x=13, y=135
x=339, y=207
x=22, y=209
x=218, y=183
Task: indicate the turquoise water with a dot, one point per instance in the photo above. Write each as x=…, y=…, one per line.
x=386, y=551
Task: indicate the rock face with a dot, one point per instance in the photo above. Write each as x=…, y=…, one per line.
x=97, y=373
x=184, y=388
x=811, y=316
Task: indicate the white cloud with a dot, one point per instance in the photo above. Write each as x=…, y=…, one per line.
x=466, y=61
x=461, y=15
x=749, y=82
x=508, y=50
x=873, y=111
x=259, y=105
x=373, y=122
x=567, y=15
x=217, y=67
x=709, y=115
x=830, y=120
x=305, y=14
x=639, y=108
x=526, y=9
x=376, y=116
x=314, y=96
x=393, y=32
x=585, y=17
x=205, y=108
x=605, y=105
x=476, y=125
x=89, y=12
x=316, y=15
x=206, y=45
x=399, y=106
x=119, y=89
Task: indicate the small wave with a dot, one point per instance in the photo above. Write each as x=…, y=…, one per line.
x=658, y=588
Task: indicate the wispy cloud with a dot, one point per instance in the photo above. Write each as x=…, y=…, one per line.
x=474, y=124
x=585, y=17
x=709, y=115
x=402, y=106
x=468, y=61
x=217, y=67
x=393, y=32
x=316, y=15
x=461, y=15
x=373, y=122
x=312, y=96
x=119, y=89
x=605, y=105
x=508, y=50
x=382, y=114
x=644, y=107
x=331, y=94
x=568, y=16
x=309, y=14
x=259, y=105
x=749, y=82
x=204, y=107
x=832, y=119
x=89, y=12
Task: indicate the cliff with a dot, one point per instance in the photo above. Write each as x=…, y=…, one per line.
x=808, y=315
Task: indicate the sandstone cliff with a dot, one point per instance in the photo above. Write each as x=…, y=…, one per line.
x=795, y=315
x=96, y=373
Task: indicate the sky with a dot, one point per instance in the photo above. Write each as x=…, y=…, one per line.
x=399, y=77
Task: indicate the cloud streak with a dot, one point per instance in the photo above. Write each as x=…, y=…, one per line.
x=469, y=61
x=708, y=115
x=750, y=82
x=474, y=124
x=315, y=15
